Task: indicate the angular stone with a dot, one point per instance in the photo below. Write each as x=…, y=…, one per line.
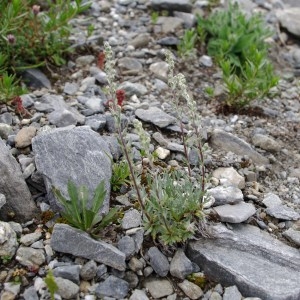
x=289, y=18
x=71, y=88
x=192, y=290
x=30, y=257
x=232, y=293
x=292, y=235
x=132, y=218
x=206, y=61
x=12, y=184
x=8, y=240
x=158, y=287
x=36, y=79
x=89, y=270
x=133, y=88
x=236, y=213
x=130, y=65
x=68, y=272
x=229, y=176
x=259, y=265
x=156, y=116
x=66, y=288
x=30, y=238
x=226, y=195
x=171, y=5
x=138, y=295
x=78, y=154
x=158, y=262
x=67, y=239
x=265, y=142
x=181, y=266
x=54, y=103
x=169, y=24
x=127, y=245
x=141, y=40
x=160, y=69
x=283, y=212
x=271, y=200
x=30, y=294
x=220, y=139
x=62, y=118
x=112, y=287
x=5, y=131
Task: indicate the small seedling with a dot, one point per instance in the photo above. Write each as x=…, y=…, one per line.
x=154, y=17
x=120, y=175
x=51, y=284
x=186, y=47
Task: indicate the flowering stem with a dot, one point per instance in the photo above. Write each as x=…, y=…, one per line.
x=139, y=197
x=185, y=148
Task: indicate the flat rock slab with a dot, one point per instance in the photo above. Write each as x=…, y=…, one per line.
x=236, y=213
x=78, y=154
x=223, y=140
x=172, y=5
x=156, y=116
x=67, y=239
x=259, y=265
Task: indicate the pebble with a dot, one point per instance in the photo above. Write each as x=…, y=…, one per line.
x=292, y=235
x=229, y=176
x=132, y=218
x=158, y=288
x=112, y=287
x=156, y=116
x=30, y=238
x=226, y=195
x=180, y=265
x=158, y=262
x=24, y=137
x=192, y=290
x=138, y=295
x=66, y=288
x=232, y=293
x=88, y=270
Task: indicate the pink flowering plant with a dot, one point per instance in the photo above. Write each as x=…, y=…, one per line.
x=32, y=35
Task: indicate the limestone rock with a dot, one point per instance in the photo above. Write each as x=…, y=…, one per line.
x=172, y=5
x=220, y=139
x=67, y=239
x=14, y=188
x=272, y=269
x=229, y=176
x=78, y=154
x=289, y=18
x=8, y=240
x=236, y=213
x=156, y=116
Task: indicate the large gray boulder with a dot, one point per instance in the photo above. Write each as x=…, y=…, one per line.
x=19, y=203
x=79, y=154
x=258, y=264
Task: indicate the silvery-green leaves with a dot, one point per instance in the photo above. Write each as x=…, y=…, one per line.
x=174, y=203
x=79, y=213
